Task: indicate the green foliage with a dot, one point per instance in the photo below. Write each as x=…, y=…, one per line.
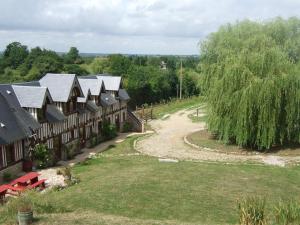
x=127, y=127
x=252, y=211
x=99, y=65
x=148, y=83
x=7, y=177
x=15, y=54
x=288, y=212
x=70, y=178
x=250, y=74
x=41, y=156
x=75, y=69
x=190, y=83
x=30, y=200
x=73, y=57
x=109, y=131
x=119, y=65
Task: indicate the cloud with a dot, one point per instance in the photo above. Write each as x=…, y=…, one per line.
x=141, y=26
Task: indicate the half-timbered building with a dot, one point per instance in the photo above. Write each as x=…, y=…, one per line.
x=58, y=110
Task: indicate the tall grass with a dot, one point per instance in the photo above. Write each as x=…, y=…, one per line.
x=252, y=211
x=287, y=212
x=40, y=203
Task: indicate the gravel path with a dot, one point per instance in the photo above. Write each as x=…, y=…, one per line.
x=50, y=173
x=168, y=142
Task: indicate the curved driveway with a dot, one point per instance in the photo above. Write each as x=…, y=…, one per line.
x=168, y=142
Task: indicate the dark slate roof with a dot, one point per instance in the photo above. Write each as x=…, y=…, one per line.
x=82, y=111
x=31, y=96
x=53, y=115
x=30, y=83
x=16, y=122
x=123, y=95
x=60, y=85
x=90, y=105
x=107, y=99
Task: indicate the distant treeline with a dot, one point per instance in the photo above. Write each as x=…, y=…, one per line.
x=148, y=79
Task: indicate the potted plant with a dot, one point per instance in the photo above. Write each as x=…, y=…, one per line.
x=25, y=213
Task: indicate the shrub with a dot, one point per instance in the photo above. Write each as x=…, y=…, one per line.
x=7, y=177
x=94, y=141
x=109, y=130
x=252, y=211
x=24, y=203
x=70, y=179
x=127, y=127
x=41, y=156
x=287, y=212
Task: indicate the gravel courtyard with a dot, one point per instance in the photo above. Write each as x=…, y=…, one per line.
x=168, y=142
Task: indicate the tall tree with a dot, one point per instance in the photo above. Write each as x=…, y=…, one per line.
x=15, y=54
x=73, y=57
x=252, y=82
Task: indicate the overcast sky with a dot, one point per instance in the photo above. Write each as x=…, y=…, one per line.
x=128, y=26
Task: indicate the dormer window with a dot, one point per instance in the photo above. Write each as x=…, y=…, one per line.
x=2, y=125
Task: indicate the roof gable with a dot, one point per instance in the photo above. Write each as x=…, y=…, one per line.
x=60, y=85
x=31, y=96
x=112, y=83
x=18, y=123
x=94, y=85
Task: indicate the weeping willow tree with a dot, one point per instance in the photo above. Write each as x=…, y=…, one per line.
x=251, y=76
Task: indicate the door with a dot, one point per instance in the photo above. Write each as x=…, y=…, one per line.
x=118, y=122
x=57, y=147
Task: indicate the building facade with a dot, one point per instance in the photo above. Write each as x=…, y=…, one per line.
x=62, y=111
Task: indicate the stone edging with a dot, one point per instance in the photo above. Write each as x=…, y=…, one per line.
x=186, y=141
x=142, y=135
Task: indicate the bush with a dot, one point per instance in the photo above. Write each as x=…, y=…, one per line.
x=41, y=156
x=70, y=179
x=109, y=131
x=94, y=141
x=252, y=211
x=24, y=203
x=127, y=127
x=7, y=177
x=288, y=212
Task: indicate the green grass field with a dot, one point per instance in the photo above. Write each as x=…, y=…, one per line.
x=160, y=110
x=136, y=189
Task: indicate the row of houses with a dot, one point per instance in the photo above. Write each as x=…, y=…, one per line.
x=58, y=110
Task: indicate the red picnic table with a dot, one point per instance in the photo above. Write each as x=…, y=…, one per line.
x=3, y=190
x=29, y=180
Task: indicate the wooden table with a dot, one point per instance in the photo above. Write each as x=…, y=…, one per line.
x=26, y=180
x=3, y=190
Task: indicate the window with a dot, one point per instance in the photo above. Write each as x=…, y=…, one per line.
x=10, y=154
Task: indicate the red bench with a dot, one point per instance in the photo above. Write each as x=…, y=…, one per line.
x=40, y=184
x=3, y=191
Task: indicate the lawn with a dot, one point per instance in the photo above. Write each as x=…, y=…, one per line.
x=204, y=139
x=121, y=188
x=189, y=103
